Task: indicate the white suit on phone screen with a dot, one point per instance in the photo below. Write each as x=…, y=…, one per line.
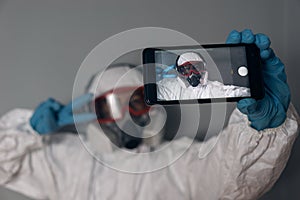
x=193, y=83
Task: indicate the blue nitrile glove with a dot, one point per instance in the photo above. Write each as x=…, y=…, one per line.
x=50, y=115
x=165, y=73
x=269, y=112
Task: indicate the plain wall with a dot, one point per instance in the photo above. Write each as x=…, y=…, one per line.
x=42, y=44
x=288, y=185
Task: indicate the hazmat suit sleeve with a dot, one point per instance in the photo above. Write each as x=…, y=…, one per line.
x=17, y=141
x=240, y=163
x=42, y=167
x=171, y=89
x=244, y=163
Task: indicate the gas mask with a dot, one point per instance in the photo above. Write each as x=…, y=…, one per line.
x=122, y=113
x=124, y=118
x=191, y=67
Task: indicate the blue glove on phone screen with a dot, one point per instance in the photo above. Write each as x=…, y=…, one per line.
x=165, y=73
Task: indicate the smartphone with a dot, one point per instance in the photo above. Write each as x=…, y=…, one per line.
x=202, y=74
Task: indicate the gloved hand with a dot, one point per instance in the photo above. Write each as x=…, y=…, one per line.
x=50, y=115
x=269, y=112
x=165, y=73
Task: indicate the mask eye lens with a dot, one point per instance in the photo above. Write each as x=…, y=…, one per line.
x=102, y=109
x=188, y=67
x=199, y=66
x=184, y=70
x=110, y=107
x=136, y=101
x=191, y=67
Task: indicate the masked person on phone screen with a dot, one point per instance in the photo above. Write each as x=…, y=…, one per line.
x=192, y=82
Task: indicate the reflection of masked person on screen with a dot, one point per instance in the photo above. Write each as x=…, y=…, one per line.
x=192, y=82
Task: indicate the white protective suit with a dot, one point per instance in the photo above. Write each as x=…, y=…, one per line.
x=175, y=89
x=244, y=164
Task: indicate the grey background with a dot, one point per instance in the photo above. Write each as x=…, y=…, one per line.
x=42, y=44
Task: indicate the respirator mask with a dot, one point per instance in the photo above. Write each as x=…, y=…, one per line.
x=123, y=113
x=124, y=119
x=191, y=67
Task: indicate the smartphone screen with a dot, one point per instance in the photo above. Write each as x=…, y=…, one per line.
x=205, y=74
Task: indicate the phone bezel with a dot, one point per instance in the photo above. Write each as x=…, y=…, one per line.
x=253, y=65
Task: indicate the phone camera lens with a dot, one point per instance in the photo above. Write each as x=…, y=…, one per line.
x=243, y=71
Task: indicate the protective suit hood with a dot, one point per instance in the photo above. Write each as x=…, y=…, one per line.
x=118, y=76
x=191, y=69
x=113, y=77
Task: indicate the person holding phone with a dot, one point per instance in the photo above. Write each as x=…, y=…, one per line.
x=248, y=158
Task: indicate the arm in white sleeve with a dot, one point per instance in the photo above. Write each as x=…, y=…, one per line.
x=23, y=167
x=244, y=163
x=42, y=167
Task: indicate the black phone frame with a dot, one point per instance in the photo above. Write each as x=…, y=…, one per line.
x=253, y=64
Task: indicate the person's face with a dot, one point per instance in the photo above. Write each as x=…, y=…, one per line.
x=189, y=68
x=192, y=72
x=116, y=107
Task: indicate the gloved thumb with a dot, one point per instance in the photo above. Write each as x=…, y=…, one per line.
x=234, y=37
x=247, y=106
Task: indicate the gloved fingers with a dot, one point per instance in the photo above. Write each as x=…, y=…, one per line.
x=260, y=118
x=52, y=103
x=273, y=71
x=234, y=37
x=84, y=117
x=259, y=124
x=55, y=105
x=265, y=54
x=247, y=106
x=279, y=92
x=78, y=103
x=39, y=111
x=65, y=120
x=262, y=41
x=82, y=101
x=279, y=119
x=272, y=60
x=268, y=116
x=50, y=123
x=47, y=123
x=77, y=118
x=247, y=36
x=49, y=103
x=169, y=76
x=275, y=80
